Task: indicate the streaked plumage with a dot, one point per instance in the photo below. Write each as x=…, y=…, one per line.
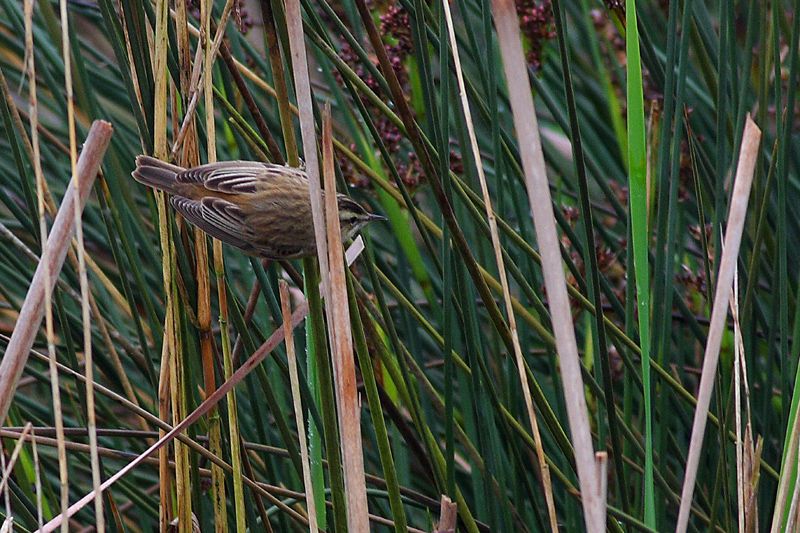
x=260, y=208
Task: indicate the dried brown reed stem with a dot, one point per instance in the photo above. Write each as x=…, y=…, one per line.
x=525, y=123
x=32, y=312
x=448, y=516
x=41, y=187
x=305, y=106
x=286, y=309
x=544, y=469
x=170, y=344
x=349, y=408
x=745, y=171
x=338, y=329
x=746, y=468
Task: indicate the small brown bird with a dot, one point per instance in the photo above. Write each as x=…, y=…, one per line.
x=260, y=208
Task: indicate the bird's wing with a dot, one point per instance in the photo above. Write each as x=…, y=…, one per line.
x=236, y=177
x=217, y=217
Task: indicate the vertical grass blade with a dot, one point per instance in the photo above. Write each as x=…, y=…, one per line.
x=349, y=408
x=637, y=183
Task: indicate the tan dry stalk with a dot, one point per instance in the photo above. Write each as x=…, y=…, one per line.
x=169, y=341
x=349, y=407
x=37, y=481
x=288, y=339
x=305, y=106
x=507, y=24
x=302, y=84
x=83, y=278
x=745, y=171
x=738, y=366
x=544, y=469
x=448, y=516
x=13, y=459
x=41, y=186
x=746, y=468
x=9, y=520
x=210, y=53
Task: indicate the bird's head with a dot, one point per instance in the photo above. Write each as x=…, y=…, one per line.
x=353, y=217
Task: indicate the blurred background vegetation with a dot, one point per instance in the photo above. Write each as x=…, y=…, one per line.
x=444, y=379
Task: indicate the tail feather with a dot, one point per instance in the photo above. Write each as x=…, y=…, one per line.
x=156, y=173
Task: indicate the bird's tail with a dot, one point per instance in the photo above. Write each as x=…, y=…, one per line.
x=156, y=173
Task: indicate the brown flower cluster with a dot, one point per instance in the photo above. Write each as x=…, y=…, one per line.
x=536, y=24
x=395, y=26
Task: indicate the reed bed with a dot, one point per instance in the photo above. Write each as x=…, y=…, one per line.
x=580, y=315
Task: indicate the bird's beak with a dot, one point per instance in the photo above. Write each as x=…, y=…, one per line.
x=376, y=218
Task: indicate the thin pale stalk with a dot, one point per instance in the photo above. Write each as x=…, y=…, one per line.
x=37, y=481
x=308, y=133
x=298, y=408
x=40, y=195
x=547, y=486
x=40, y=187
x=83, y=279
x=13, y=458
x=524, y=114
x=733, y=235
x=170, y=348
x=6, y=525
x=737, y=389
x=448, y=516
x=210, y=52
x=747, y=462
